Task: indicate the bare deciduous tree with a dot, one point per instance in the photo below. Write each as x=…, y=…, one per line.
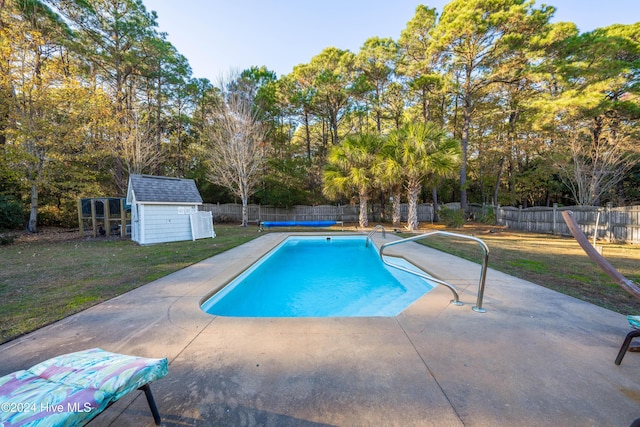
x=594, y=165
x=236, y=150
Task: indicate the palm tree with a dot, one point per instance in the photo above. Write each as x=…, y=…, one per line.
x=389, y=175
x=349, y=170
x=424, y=152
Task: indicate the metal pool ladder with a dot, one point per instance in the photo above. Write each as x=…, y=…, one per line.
x=372, y=232
x=483, y=273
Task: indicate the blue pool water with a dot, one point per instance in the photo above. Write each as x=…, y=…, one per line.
x=313, y=276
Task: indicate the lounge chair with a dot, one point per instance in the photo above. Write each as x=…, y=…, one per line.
x=71, y=389
x=634, y=322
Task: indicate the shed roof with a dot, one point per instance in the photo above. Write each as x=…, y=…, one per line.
x=162, y=189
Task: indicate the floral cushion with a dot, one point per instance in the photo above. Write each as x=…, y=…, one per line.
x=71, y=389
x=634, y=321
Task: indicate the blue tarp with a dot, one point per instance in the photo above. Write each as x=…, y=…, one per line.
x=298, y=223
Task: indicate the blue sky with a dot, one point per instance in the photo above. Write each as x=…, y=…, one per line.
x=222, y=36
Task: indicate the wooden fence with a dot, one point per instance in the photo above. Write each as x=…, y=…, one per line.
x=346, y=213
x=611, y=224
x=606, y=223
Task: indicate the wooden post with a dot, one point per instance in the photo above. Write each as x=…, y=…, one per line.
x=80, y=221
x=93, y=217
x=123, y=220
x=107, y=217
x=554, y=221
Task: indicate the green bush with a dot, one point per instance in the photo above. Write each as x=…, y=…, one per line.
x=454, y=218
x=7, y=239
x=488, y=216
x=12, y=215
x=50, y=216
x=62, y=214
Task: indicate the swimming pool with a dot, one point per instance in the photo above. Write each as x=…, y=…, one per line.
x=319, y=276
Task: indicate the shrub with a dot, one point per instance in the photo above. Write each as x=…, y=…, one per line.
x=7, y=239
x=63, y=214
x=50, y=216
x=488, y=216
x=454, y=218
x=12, y=215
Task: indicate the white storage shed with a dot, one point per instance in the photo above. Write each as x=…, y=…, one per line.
x=165, y=209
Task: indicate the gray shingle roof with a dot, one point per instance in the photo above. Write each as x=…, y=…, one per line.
x=147, y=188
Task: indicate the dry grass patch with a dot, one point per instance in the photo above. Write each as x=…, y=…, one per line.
x=46, y=277
x=555, y=262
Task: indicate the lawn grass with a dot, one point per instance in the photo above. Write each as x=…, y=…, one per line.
x=45, y=281
x=42, y=281
x=556, y=262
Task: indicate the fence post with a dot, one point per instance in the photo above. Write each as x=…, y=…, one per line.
x=609, y=224
x=520, y=217
x=554, y=222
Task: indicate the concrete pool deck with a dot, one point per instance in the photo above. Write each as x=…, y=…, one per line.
x=535, y=358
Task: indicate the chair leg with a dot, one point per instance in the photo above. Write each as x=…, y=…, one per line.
x=152, y=403
x=625, y=345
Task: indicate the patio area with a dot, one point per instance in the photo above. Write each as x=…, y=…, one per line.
x=535, y=358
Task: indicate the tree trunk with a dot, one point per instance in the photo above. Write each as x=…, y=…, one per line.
x=498, y=178
x=158, y=130
x=383, y=208
x=466, y=124
x=307, y=133
x=325, y=137
x=426, y=112
x=412, y=196
x=436, y=205
x=334, y=129
x=397, y=215
x=179, y=143
x=363, y=220
x=32, y=227
x=245, y=211
x=596, y=132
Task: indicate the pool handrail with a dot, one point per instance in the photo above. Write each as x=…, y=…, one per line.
x=483, y=273
x=372, y=232
x=456, y=298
